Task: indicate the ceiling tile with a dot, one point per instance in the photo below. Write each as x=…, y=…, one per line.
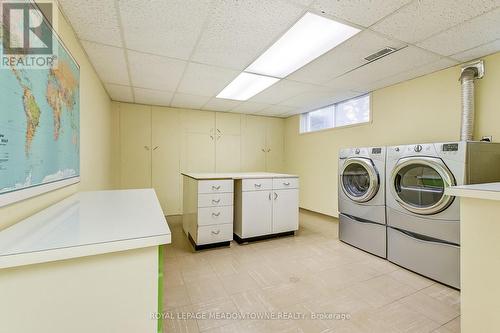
x=218, y=104
x=316, y=99
x=277, y=110
x=238, y=31
x=399, y=62
x=250, y=107
x=155, y=72
x=362, y=12
x=344, y=58
x=188, y=101
x=424, y=18
x=478, y=52
x=94, y=20
x=109, y=62
x=205, y=80
x=481, y=30
x=162, y=27
x=152, y=97
x=281, y=91
x=411, y=74
x=119, y=93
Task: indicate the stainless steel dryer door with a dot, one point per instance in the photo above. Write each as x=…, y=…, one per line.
x=359, y=179
x=418, y=184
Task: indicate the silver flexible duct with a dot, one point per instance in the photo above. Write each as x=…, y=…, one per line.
x=467, y=79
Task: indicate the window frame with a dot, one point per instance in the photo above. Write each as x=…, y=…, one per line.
x=304, y=116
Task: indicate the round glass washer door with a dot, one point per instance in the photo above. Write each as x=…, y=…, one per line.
x=418, y=184
x=359, y=179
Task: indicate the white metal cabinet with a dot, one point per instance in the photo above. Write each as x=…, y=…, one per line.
x=208, y=211
x=257, y=212
x=272, y=208
x=285, y=210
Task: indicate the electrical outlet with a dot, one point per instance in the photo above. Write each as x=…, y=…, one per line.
x=487, y=138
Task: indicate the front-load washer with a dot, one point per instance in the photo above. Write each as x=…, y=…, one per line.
x=423, y=222
x=362, y=198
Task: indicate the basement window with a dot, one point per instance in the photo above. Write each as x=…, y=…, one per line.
x=346, y=113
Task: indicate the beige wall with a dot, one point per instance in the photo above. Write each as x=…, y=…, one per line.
x=95, y=134
x=425, y=109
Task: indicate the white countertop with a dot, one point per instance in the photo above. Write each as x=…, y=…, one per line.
x=489, y=191
x=86, y=223
x=237, y=175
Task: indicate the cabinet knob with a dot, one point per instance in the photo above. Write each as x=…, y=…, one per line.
x=216, y=188
x=263, y=150
x=156, y=147
x=216, y=232
x=216, y=214
x=215, y=201
x=146, y=147
x=286, y=184
x=275, y=195
x=257, y=185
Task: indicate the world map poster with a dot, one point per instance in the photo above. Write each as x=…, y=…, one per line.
x=39, y=127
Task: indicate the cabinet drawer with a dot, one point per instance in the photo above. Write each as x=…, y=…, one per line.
x=215, y=200
x=257, y=184
x=215, y=215
x=215, y=186
x=214, y=234
x=283, y=183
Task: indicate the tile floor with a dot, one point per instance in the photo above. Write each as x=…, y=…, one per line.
x=311, y=274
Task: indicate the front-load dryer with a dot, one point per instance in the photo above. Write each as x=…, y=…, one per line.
x=423, y=222
x=362, y=198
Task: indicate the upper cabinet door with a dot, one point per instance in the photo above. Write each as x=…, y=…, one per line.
x=135, y=146
x=166, y=179
x=254, y=144
x=275, y=146
x=198, y=141
x=227, y=142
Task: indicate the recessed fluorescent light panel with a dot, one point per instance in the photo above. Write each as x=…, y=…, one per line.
x=310, y=37
x=246, y=85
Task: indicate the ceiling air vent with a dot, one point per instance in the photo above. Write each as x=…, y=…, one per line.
x=382, y=53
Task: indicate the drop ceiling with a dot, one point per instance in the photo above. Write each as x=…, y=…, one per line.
x=182, y=53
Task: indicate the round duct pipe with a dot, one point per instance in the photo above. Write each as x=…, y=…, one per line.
x=467, y=78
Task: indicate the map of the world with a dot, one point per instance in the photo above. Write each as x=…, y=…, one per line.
x=39, y=124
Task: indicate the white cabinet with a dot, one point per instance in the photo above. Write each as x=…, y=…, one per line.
x=208, y=212
x=266, y=207
x=135, y=146
x=262, y=144
x=285, y=210
x=258, y=211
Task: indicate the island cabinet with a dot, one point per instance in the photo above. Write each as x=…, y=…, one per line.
x=266, y=207
x=208, y=211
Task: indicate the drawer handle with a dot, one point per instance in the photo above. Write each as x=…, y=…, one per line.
x=215, y=188
x=216, y=214
x=257, y=185
x=275, y=195
x=215, y=232
x=215, y=201
x=286, y=184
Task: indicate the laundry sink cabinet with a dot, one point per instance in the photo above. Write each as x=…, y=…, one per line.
x=265, y=207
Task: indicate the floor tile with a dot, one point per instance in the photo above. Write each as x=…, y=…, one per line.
x=439, y=311
x=215, y=314
x=205, y=290
x=381, y=290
